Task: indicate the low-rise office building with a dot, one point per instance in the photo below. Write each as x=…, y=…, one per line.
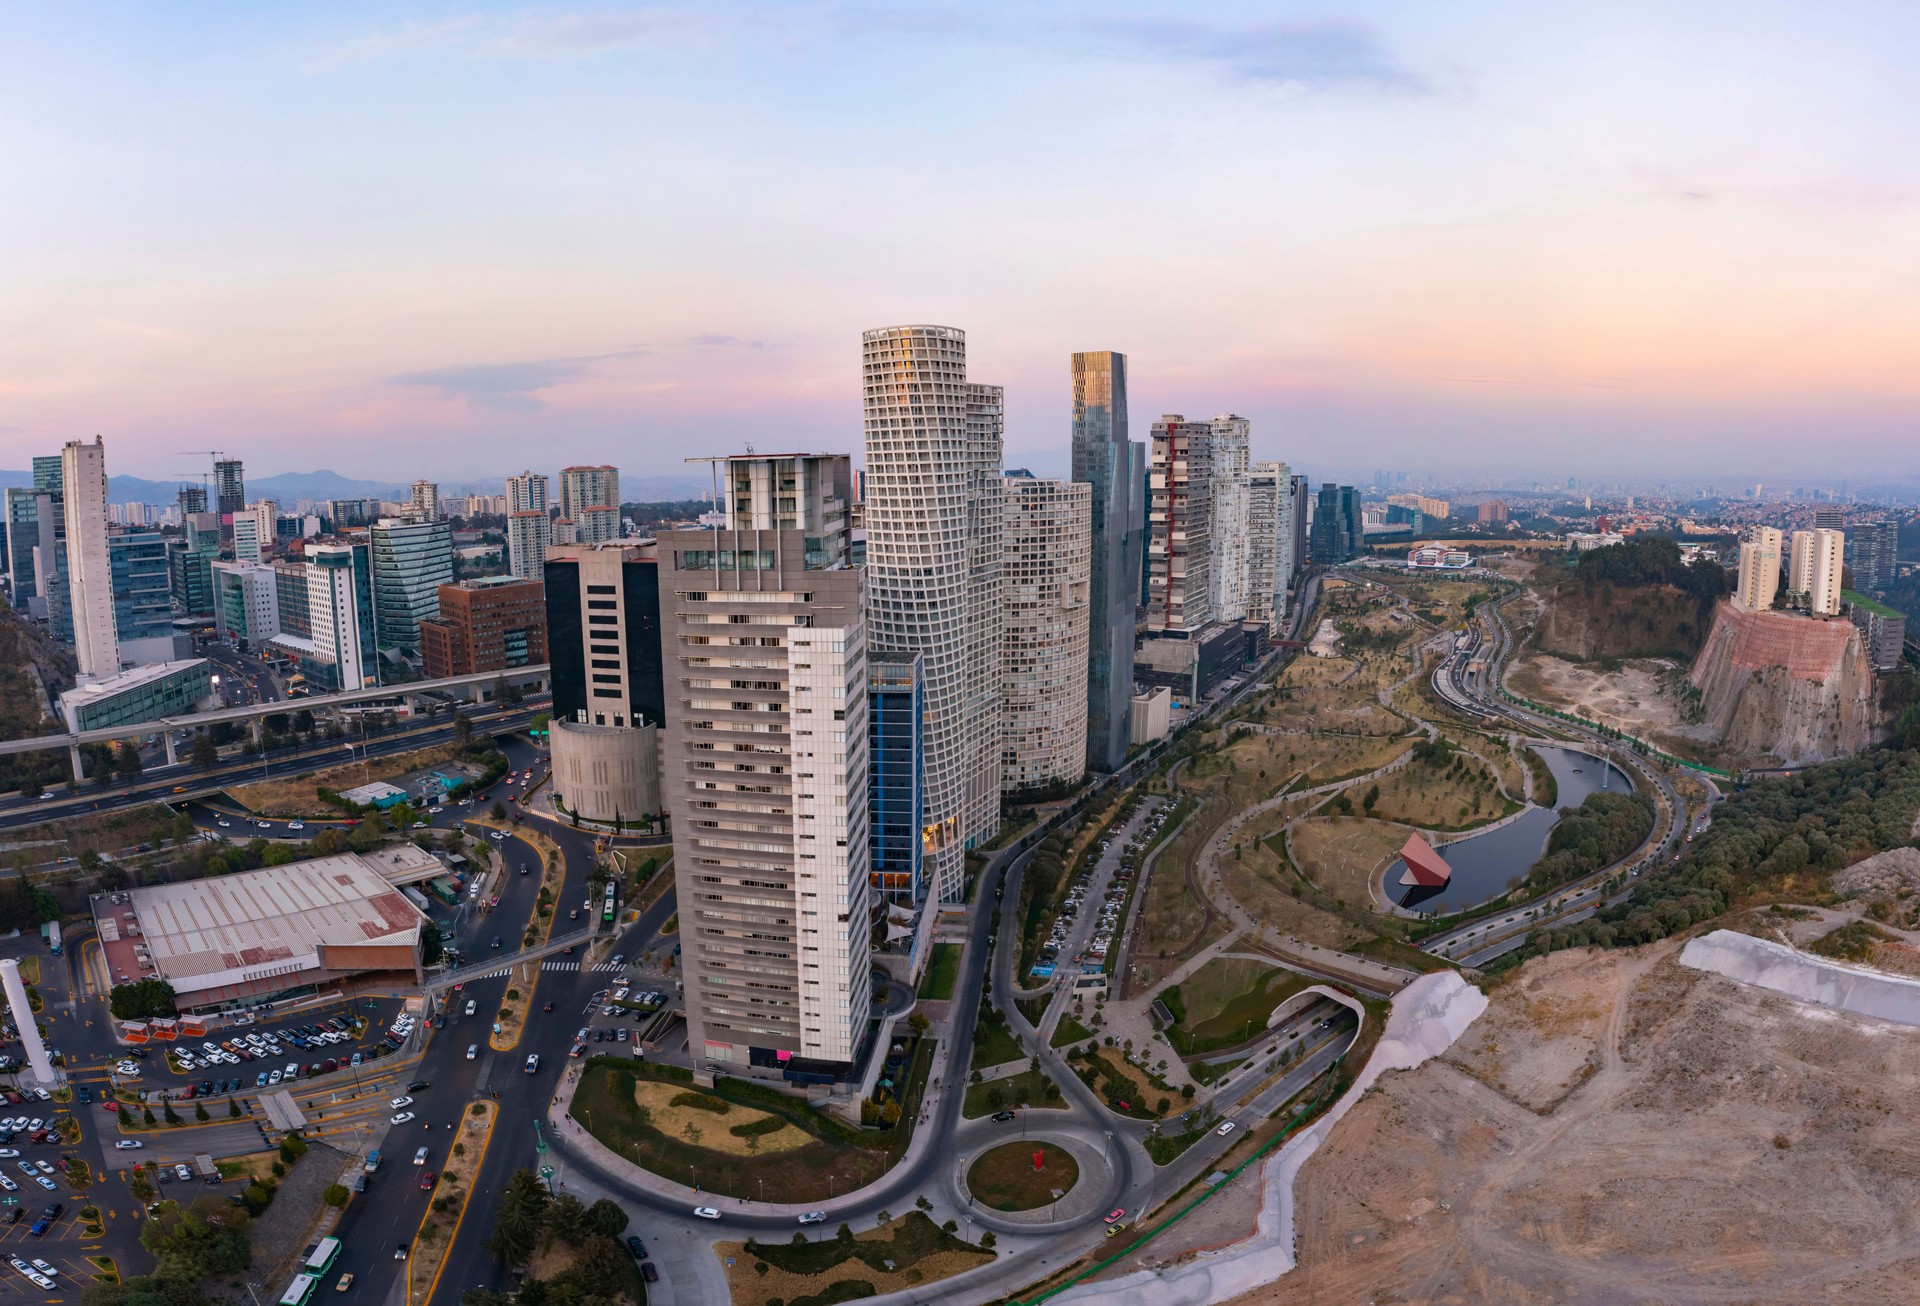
x=142, y=694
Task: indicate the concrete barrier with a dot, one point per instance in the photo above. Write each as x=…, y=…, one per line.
x=1806, y=978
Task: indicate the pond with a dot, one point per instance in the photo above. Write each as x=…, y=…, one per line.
x=1485, y=865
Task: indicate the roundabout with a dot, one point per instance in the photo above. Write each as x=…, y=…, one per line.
x=1019, y=1176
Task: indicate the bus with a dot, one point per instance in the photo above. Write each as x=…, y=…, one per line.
x=300, y=1291
x=606, y=912
x=324, y=1254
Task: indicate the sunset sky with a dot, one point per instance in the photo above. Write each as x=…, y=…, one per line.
x=1628, y=238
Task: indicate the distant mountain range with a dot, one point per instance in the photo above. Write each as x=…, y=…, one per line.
x=289, y=486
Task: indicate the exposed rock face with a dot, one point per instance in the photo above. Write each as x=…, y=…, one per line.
x=1621, y=621
x=1798, y=688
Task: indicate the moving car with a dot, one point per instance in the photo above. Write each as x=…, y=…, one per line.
x=403, y=1117
x=399, y=1102
x=706, y=1212
x=420, y=1157
x=813, y=1217
x=345, y=1282
x=1225, y=1129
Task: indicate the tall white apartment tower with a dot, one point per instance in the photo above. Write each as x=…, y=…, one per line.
x=935, y=519
x=764, y=766
x=1759, y=569
x=590, y=499
x=529, y=527
x=1046, y=584
x=1232, y=516
x=1814, y=569
x=83, y=473
x=424, y=503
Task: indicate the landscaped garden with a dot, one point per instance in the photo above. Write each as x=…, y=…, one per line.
x=738, y=1138
x=901, y=1253
x=1028, y=1088
x=1004, y=1178
x=1225, y=1003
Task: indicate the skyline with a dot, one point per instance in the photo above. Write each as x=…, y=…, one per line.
x=1562, y=243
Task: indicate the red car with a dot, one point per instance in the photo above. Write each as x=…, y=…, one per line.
x=426, y=1181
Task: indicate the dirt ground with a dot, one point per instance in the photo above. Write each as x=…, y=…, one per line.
x=1340, y=853
x=1634, y=698
x=295, y=796
x=716, y=1129
x=1618, y=1128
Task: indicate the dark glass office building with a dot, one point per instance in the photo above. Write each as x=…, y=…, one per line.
x=896, y=763
x=1116, y=468
x=603, y=634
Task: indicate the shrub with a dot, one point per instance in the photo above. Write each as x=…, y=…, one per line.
x=335, y=1195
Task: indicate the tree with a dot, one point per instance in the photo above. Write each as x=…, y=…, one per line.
x=233, y=1108
x=462, y=728
x=126, y=1116
x=986, y=1241
x=519, y=1218
x=607, y=1218
x=918, y=1023
x=334, y=1195
x=432, y=946
x=141, y=1000
x=200, y=1111
x=167, y=1110
x=498, y=811
x=126, y=762
x=198, y=1241
x=567, y=1219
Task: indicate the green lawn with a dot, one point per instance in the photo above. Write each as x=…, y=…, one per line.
x=993, y=1041
x=943, y=972
x=1034, y=1008
x=915, y=1238
x=1029, y=1088
x=1070, y=1031
x=1225, y=1002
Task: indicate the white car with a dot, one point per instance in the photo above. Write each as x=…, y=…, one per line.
x=399, y=1102
x=813, y=1217
x=706, y=1213
x=8, y=1184
x=1225, y=1129
x=183, y=1172
x=403, y=1117
x=9, y=1152
x=44, y=1268
x=296, y=825
x=129, y=1144
x=273, y=1077
x=45, y=1183
x=224, y=823
x=35, y=1124
x=496, y=835
x=46, y=1167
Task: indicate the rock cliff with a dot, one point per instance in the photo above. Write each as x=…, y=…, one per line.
x=1791, y=686
x=1621, y=621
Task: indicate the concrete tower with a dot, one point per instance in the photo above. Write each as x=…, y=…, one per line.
x=83, y=470
x=935, y=509
x=39, y=1064
x=1115, y=469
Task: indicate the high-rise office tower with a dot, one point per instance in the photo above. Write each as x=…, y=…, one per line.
x=1114, y=467
x=1337, y=528
x=1302, y=512
x=1874, y=546
x=1829, y=519
x=424, y=502
x=492, y=623
x=603, y=619
x=1180, y=520
x=412, y=559
x=229, y=493
x=1759, y=569
x=1268, y=489
x=83, y=477
x=142, y=599
x=1356, y=522
x=246, y=602
x=247, y=543
x=23, y=537
x=1814, y=561
x=529, y=527
x=1227, y=572
x=765, y=767
x=340, y=615
x=935, y=520
x=590, y=499
x=1044, y=587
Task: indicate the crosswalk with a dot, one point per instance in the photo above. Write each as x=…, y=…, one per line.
x=553, y=964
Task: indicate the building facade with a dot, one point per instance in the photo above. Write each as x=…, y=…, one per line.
x=411, y=561
x=424, y=503
x=246, y=602
x=765, y=769
x=83, y=473
x=142, y=597
x=1115, y=470
x=595, y=491
x=1228, y=571
x=895, y=707
x=342, y=649
x=1180, y=525
x=492, y=624
x=140, y=694
x=1268, y=489
x=1874, y=547
x=1814, y=569
x=1045, y=623
x=1883, y=629
x=1759, y=569
x=604, y=634
x=935, y=522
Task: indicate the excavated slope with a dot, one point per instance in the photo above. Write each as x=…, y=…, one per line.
x=1621, y=621
x=1792, y=686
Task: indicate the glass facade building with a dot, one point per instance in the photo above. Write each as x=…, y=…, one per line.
x=1116, y=468
x=895, y=756
x=191, y=575
x=411, y=561
x=142, y=594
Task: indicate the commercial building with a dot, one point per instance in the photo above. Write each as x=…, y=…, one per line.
x=1588, y=541
x=896, y=757
x=83, y=476
x=1874, y=548
x=411, y=561
x=1431, y=557
x=1815, y=563
x=343, y=513
x=229, y=493
x=1180, y=525
x=141, y=694
x=23, y=538
x=1114, y=469
x=1492, y=512
x=1045, y=619
x=766, y=769
x=491, y=624
x=1883, y=629
x=142, y=597
x=1228, y=573
x=190, y=573
x=1191, y=663
x=282, y=932
x=332, y=639
x=603, y=632
x=935, y=523
x=246, y=602
x=1337, y=530
x=1426, y=505
x=1759, y=569
x=424, y=503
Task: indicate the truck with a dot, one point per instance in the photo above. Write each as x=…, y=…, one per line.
x=53, y=936
x=373, y=1161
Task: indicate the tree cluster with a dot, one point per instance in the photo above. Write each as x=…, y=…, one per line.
x=141, y=1000
x=1651, y=560
x=1599, y=832
x=1775, y=839
x=528, y=1216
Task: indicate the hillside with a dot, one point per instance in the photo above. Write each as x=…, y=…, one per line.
x=1630, y=600
x=1787, y=685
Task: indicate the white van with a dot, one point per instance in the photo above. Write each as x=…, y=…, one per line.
x=473, y=1050
x=470, y=1006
